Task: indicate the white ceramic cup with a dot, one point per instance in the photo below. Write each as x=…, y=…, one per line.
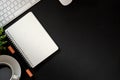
x=13, y=65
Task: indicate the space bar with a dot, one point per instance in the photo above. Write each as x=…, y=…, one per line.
x=22, y=9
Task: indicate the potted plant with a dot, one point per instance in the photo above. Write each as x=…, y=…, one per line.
x=2, y=40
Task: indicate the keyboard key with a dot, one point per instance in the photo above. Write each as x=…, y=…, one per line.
x=23, y=2
x=1, y=24
x=12, y=10
x=12, y=5
x=26, y=0
x=22, y=9
x=1, y=13
x=1, y=18
x=8, y=8
x=19, y=1
x=5, y=5
x=1, y=7
x=16, y=7
x=15, y=3
x=5, y=15
x=32, y=1
x=4, y=10
x=8, y=12
x=7, y=19
x=12, y=0
x=0, y=3
x=11, y=16
x=19, y=5
x=8, y=3
x=4, y=1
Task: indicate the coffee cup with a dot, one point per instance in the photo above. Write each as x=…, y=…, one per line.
x=11, y=66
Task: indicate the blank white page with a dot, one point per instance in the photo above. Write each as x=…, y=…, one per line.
x=31, y=39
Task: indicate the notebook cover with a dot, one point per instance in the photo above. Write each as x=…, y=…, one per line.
x=31, y=39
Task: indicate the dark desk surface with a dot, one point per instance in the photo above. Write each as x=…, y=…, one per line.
x=87, y=32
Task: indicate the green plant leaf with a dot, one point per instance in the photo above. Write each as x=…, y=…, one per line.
x=3, y=40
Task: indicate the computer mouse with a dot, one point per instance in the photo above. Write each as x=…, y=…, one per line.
x=65, y=2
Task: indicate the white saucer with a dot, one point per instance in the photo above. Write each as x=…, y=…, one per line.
x=13, y=64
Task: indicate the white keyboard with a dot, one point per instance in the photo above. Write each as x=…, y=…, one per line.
x=10, y=9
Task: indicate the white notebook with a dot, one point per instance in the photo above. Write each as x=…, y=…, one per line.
x=31, y=39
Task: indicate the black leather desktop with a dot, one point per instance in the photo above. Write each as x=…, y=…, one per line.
x=87, y=32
